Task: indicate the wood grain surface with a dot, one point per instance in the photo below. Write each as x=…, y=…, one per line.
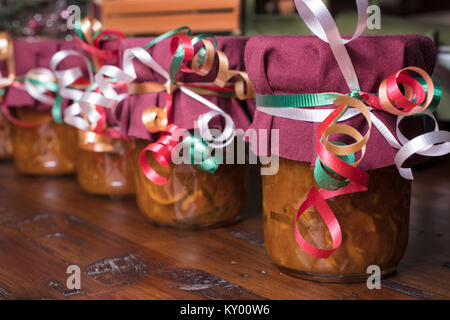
x=47, y=224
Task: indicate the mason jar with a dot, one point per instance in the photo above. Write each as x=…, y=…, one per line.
x=374, y=224
x=191, y=198
x=48, y=149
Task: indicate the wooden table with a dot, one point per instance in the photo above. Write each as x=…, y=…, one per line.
x=48, y=224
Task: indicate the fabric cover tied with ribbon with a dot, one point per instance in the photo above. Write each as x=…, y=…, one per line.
x=40, y=146
x=36, y=85
x=95, y=52
x=351, y=73
x=178, y=92
x=187, y=110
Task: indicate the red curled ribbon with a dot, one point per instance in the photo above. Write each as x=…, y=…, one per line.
x=162, y=151
x=391, y=99
x=185, y=58
x=187, y=47
x=161, y=119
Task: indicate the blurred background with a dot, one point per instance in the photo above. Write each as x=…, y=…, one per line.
x=32, y=18
x=45, y=18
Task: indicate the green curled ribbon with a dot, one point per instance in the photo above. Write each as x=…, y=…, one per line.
x=199, y=154
x=331, y=182
x=436, y=97
x=57, y=110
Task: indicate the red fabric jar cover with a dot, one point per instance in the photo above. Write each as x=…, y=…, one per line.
x=305, y=64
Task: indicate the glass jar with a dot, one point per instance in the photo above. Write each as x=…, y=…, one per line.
x=191, y=198
x=49, y=149
x=105, y=172
x=374, y=224
x=5, y=138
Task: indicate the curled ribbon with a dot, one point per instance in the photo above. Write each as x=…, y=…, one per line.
x=336, y=169
x=107, y=96
x=162, y=151
x=87, y=115
x=158, y=119
x=43, y=84
x=90, y=33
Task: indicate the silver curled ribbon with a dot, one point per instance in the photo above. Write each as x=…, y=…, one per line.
x=79, y=114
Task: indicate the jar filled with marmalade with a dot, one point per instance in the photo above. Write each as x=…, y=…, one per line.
x=45, y=149
x=191, y=198
x=336, y=157
x=374, y=224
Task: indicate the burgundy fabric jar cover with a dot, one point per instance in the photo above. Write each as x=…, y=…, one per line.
x=185, y=110
x=29, y=55
x=305, y=64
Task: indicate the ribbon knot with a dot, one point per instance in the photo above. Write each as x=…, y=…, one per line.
x=354, y=94
x=171, y=87
x=157, y=119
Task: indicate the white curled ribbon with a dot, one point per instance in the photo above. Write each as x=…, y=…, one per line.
x=321, y=23
x=110, y=98
x=79, y=114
